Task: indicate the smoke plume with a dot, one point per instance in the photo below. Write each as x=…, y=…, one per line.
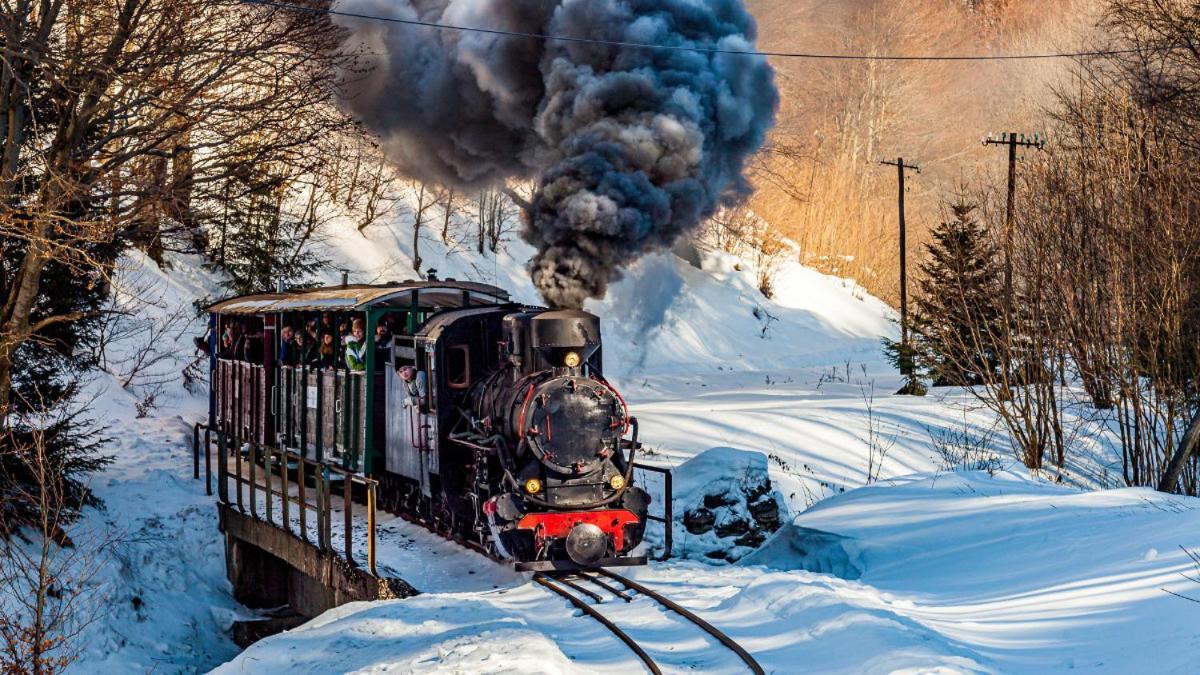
x=630, y=147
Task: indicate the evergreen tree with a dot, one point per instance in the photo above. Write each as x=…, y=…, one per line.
x=259, y=238
x=957, y=316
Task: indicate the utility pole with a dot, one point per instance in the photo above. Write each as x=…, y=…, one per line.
x=905, y=360
x=1012, y=141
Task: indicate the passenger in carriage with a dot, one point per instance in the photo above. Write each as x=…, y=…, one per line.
x=356, y=347
x=287, y=347
x=325, y=355
x=383, y=345
x=251, y=348
x=225, y=349
x=233, y=342
x=305, y=350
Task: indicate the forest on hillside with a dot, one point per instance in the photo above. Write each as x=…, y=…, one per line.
x=820, y=182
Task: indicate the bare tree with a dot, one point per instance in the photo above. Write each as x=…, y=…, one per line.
x=878, y=446
x=448, y=214
x=46, y=595
x=427, y=198
x=137, y=334
x=739, y=231
x=95, y=96
x=377, y=196
x=496, y=215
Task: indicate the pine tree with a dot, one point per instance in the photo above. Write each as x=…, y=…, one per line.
x=957, y=315
x=260, y=238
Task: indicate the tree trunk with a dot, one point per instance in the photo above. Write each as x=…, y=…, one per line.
x=19, y=305
x=446, y=219
x=416, y=240
x=1187, y=447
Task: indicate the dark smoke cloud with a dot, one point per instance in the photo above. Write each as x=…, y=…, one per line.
x=630, y=147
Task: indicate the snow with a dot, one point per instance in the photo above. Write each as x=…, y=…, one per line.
x=960, y=572
x=896, y=563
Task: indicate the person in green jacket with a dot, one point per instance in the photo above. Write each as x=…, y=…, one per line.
x=356, y=347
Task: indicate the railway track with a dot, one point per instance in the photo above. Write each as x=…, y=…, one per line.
x=580, y=587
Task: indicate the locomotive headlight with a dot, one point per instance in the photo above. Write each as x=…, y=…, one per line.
x=572, y=360
x=617, y=481
x=533, y=486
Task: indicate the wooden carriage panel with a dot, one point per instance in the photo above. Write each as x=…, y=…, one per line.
x=262, y=399
x=288, y=430
x=330, y=393
x=245, y=394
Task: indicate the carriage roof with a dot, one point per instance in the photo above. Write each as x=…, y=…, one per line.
x=358, y=297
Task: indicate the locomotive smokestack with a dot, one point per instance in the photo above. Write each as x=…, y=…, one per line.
x=630, y=146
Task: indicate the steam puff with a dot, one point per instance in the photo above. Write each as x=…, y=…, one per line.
x=631, y=147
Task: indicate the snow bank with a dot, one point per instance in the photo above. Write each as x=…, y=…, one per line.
x=958, y=573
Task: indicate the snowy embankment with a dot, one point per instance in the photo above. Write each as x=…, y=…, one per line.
x=927, y=568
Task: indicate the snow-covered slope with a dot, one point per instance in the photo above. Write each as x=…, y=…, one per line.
x=925, y=569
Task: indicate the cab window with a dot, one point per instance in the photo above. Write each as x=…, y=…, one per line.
x=458, y=367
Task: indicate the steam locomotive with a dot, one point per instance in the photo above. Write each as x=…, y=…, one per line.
x=502, y=433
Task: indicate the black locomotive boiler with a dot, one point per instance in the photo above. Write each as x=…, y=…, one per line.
x=487, y=421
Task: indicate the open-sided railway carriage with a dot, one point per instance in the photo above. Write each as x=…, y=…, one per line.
x=507, y=439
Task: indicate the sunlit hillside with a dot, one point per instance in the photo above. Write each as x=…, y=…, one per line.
x=820, y=182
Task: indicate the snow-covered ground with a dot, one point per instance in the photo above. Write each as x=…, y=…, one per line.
x=927, y=568
x=930, y=573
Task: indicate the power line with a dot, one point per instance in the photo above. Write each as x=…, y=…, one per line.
x=684, y=48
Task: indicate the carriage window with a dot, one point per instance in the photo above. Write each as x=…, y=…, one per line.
x=458, y=367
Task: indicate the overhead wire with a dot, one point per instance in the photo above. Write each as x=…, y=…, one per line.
x=690, y=48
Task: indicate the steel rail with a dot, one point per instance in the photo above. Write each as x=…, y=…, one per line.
x=548, y=582
x=605, y=585
x=682, y=611
x=571, y=584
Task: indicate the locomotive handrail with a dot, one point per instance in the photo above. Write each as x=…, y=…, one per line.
x=323, y=479
x=667, y=519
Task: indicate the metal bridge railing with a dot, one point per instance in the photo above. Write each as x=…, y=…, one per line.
x=269, y=472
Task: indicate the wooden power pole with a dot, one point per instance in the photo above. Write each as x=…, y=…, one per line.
x=905, y=360
x=1012, y=141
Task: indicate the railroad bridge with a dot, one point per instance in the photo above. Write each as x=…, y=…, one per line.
x=291, y=526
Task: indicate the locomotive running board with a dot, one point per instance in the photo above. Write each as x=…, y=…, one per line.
x=569, y=566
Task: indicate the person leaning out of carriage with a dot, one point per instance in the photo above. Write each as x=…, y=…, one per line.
x=413, y=381
x=356, y=347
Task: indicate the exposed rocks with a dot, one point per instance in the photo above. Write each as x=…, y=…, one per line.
x=765, y=511
x=699, y=521
x=718, y=500
x=738, y=516
x=752, y=539
x=733, y=527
